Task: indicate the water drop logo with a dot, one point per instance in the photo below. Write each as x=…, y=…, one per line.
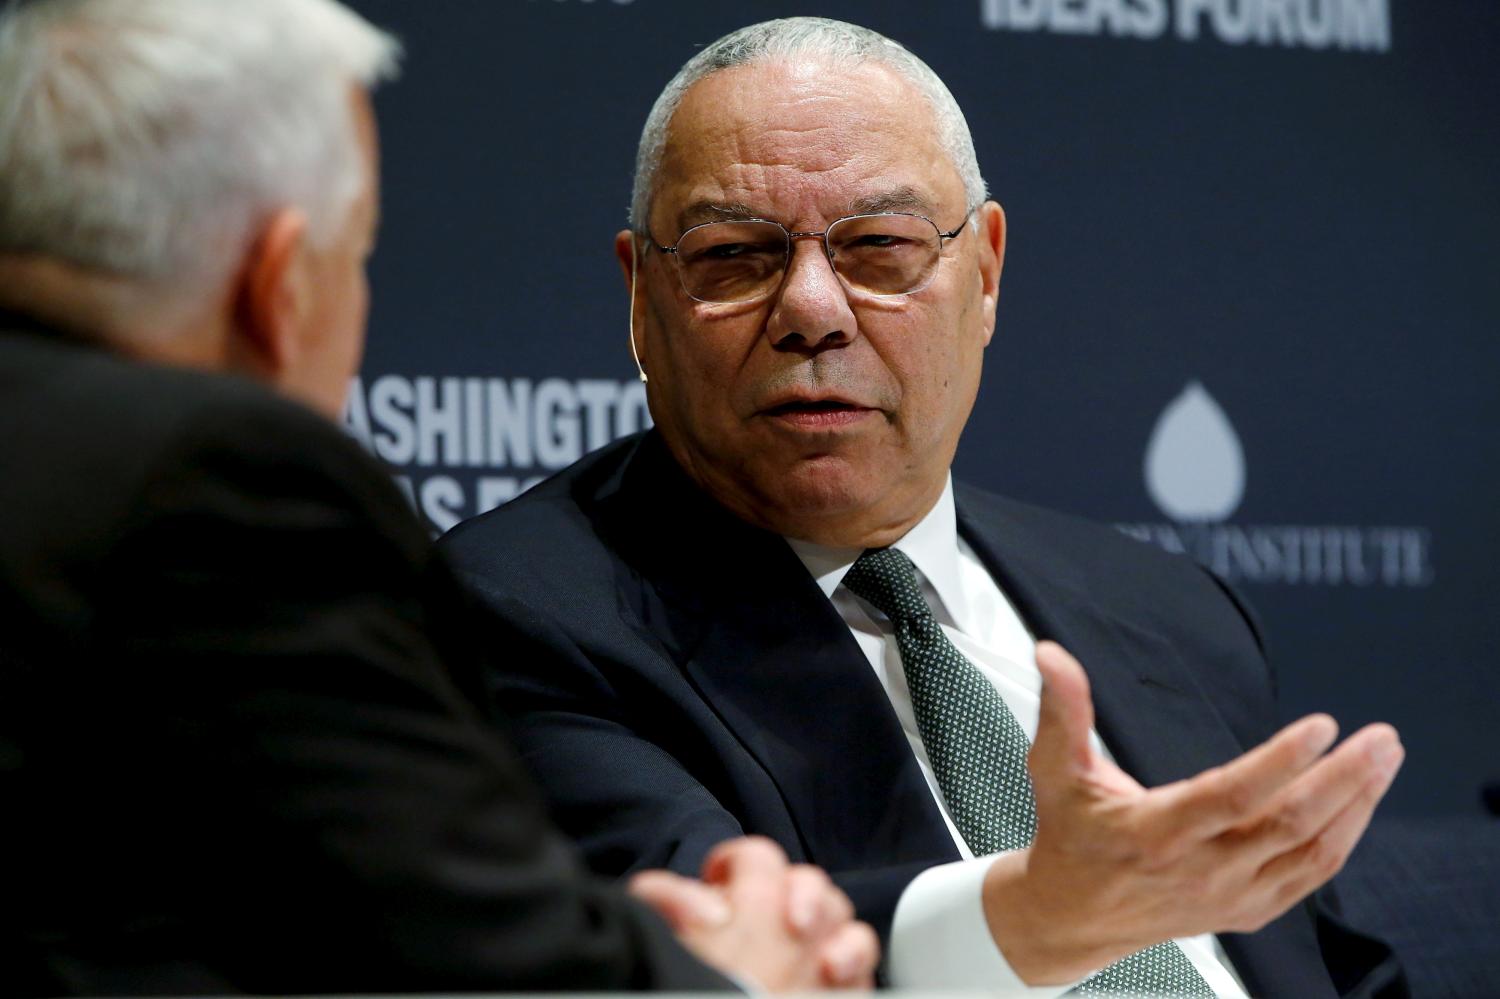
x=1195, y=472
x=1195, y=466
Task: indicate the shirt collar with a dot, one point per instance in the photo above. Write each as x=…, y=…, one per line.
x=932, y=545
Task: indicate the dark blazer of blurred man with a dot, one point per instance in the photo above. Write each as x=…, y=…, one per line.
x=234, y=755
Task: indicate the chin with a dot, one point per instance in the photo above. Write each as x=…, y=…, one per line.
x=826, y=486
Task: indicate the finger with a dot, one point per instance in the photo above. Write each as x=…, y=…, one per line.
x=814, y=905
x=748, y=857
x=1305, y=806
x=848, y=959
x=1067, y=715
x=1219, y=799
x=1296, y=874
x=684, y=903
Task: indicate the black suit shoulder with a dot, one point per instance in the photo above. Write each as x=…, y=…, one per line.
x=229, y=720
x=75, y=407
x=570, y=515
x=588, y=534
x=1138, y=578
x=566, y=544
x=100, y=448
x=559, y=518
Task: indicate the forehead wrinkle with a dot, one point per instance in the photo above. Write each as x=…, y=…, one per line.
x=899, y=197
x=807, y=150
x=759, y=142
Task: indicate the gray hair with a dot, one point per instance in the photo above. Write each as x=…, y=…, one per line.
x=148, y=139
x=791, y=37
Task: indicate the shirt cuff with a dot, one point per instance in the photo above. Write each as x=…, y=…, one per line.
x=941, y=940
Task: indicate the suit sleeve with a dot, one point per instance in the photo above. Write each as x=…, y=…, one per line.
x=629, y=802
x=344, y=805
x=624, y=775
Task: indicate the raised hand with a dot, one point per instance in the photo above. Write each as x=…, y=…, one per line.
x=754, y=916
x=1116, y=867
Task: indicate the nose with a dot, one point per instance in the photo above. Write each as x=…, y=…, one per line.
x=811, y=309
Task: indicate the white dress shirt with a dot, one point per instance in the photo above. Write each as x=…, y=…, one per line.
x=940, y=938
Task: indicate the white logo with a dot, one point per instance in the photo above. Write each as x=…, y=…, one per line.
x=462, y=446
x=1195, y=471
x=1361, y=25
x=1195, y=467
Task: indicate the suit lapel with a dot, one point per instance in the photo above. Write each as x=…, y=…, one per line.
x=768, y=652
x=1150, y=710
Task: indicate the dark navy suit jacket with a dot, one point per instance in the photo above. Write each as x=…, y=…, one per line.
x=687, y=681
x=236, y=751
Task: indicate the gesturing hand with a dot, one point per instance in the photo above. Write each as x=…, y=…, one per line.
x=1116, y=868
x=785, y=927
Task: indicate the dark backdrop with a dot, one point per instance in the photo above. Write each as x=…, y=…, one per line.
x=1250, y=307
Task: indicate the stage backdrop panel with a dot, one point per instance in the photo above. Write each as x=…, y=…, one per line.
x=1250, y=308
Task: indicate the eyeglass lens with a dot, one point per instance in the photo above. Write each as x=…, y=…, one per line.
x=728, y=262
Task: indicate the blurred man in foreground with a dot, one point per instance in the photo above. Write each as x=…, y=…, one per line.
x=776, y=612
x=233, y=753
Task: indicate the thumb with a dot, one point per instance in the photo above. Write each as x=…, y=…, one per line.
x=684, y=903
x=1067, y=715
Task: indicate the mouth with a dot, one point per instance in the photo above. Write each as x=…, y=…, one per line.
x=817, y=414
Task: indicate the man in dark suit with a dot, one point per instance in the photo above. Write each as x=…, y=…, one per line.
x=775, y=613
x=236, y=751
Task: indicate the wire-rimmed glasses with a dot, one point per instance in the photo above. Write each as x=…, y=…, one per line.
x=881, y=254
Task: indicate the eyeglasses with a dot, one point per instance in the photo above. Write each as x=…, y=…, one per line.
x=889, y=253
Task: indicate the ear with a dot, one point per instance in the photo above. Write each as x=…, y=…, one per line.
x=991, y=231
x=272, y=299
x=626, y=246
x=628, y=253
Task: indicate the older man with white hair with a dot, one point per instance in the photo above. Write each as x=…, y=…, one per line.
x=236, y=753
x=778, y=613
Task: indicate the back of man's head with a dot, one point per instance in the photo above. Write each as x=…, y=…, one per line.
x=147, y=142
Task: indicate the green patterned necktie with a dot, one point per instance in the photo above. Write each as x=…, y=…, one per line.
x=978, y=754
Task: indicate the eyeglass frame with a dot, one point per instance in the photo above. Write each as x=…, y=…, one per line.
x=828, y=253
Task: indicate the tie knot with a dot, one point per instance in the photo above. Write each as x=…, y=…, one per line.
x=886, y=578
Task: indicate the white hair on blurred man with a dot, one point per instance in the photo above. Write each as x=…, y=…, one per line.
x=158, y=158
x=156, y=155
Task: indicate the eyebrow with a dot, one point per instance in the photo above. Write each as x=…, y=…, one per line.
x=900, y=199
x=700, y=212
